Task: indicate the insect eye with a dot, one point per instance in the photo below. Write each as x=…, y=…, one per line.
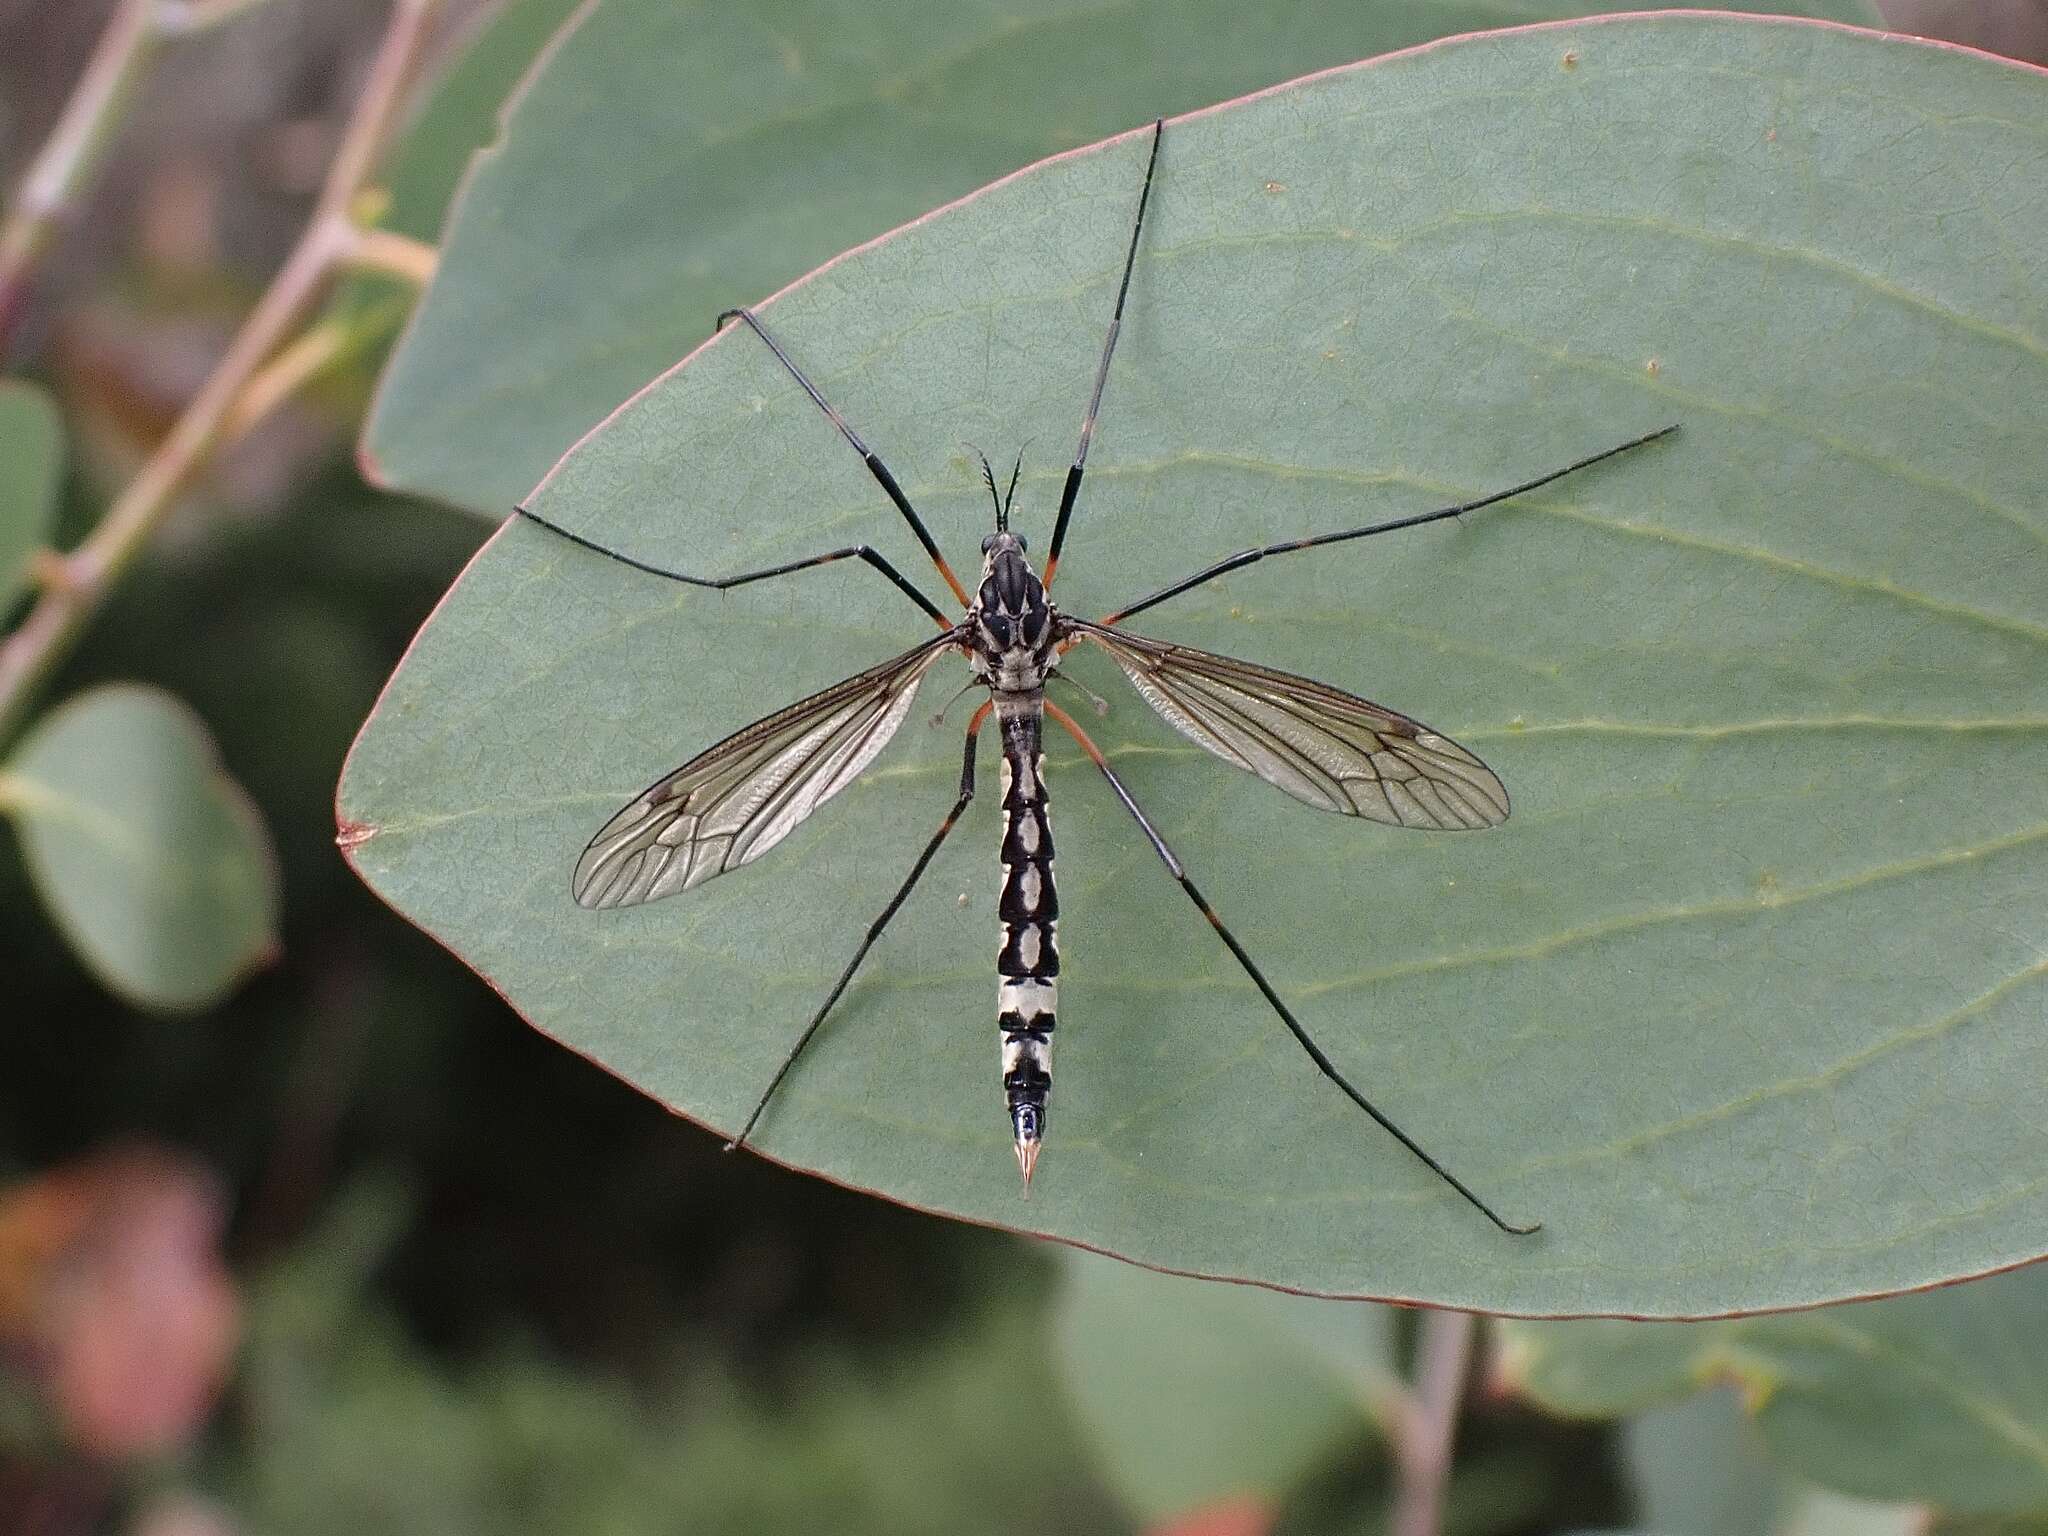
x=988, y=544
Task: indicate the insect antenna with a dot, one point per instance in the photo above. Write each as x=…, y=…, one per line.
x=1003, y=517
x=988, y=478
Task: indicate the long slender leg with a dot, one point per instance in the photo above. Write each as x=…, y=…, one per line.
x=875, y=928
x=860, y=552
x=875, y=466
x=1315, y=1052
x=1116, y=324
x=851, y=552
x=1243, y=558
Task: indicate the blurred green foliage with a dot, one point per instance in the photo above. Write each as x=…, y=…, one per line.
x=1949, y=1381
x=1193, y=1392
x=350, y=1427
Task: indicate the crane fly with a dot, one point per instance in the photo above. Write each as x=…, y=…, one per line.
x=1330, y=749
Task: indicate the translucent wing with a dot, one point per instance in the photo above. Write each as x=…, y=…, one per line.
x=1328, y=748
x=732, y=803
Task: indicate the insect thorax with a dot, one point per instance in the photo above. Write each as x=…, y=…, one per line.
x=1012, y=629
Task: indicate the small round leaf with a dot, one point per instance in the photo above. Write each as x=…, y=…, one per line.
x=150, y=858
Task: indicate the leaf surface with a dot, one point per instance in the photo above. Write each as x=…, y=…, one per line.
x=1745, y=1001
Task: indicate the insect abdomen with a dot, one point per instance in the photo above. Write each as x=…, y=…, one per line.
x=1028, y=964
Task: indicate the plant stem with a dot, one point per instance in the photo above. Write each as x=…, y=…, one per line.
x=395, y=255
x=27, y=655
x=76, y=146
x=1422, y=1441
x=310, y=353
x=74, y=149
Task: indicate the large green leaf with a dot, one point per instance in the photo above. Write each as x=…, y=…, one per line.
x=31, y=459
x=1938, y=1398
x=1744, y=1003
x=150, y=858
x=1194, y=1392
x=677, y=159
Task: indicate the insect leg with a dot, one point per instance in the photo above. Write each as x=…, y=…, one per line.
x=1315, y=1052
x=876, y=467
x=1243, y=558
x=720, y=583
x=1116, y=324
x=875, y=928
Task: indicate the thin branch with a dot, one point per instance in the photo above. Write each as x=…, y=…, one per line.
x=1422, y=1442
x=395, y=255
x=310, y=354
x=46, y=634
x=74, y=149
x=71, y=156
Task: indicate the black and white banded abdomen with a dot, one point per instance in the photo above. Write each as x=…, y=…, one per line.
x=1028, y=964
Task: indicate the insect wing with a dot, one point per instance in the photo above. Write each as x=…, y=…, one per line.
x=732, y=803
x=1327, y=748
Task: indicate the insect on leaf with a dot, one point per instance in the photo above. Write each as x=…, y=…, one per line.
x=1744, y=1001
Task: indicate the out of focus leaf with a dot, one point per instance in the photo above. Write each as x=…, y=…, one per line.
x=113, y=1296
x=150, y=858
x=1699, y=1469
x=1721, y=1005
x=674, y=160
x=31, y=459
x=1938, y=1398
x=1195, y=1393
x=1239, y=1515
x=1819, y=1512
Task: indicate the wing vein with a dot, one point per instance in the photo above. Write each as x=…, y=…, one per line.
x=1325, y=747
x=737, y=799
